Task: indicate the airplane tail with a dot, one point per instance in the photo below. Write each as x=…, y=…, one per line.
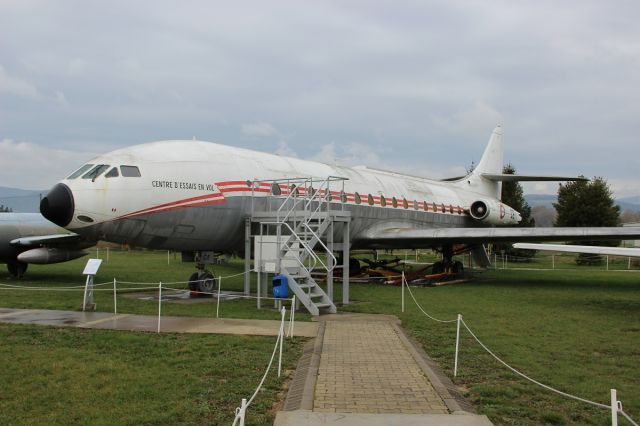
x=491, y=163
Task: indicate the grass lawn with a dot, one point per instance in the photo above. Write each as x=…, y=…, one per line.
x=576, y=330
x=62, y=376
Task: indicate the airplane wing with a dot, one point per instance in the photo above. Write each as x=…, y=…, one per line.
x=405, y=237
x=54, y=239
x=612, y=251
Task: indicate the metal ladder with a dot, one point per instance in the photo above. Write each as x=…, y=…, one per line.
x=301, y=221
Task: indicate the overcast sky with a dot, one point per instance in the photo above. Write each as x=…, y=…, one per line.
x=414, y=86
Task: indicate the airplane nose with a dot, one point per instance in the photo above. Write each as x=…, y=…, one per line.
x=57, y=206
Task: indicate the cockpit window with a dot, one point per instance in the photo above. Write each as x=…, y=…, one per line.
x=96, y=171
x=112, y=173
x=80, y=171
x=130, y=171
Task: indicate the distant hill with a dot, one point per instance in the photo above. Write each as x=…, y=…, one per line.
x=547, y=200
x=544, y=213
x=535, y=200
x=21, y=200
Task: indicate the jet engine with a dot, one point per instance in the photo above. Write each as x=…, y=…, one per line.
x=494, y=213
x=44, y=255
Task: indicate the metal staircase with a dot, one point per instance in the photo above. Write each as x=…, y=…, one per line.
x=304, y=219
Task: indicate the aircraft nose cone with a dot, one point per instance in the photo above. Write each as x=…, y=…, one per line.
x=58, y=205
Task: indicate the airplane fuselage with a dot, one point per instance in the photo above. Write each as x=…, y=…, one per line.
x=193, y=195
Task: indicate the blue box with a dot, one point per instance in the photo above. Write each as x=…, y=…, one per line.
x=280, y=287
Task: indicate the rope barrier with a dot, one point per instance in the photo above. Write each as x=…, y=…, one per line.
x=626, y=416
x=568, y=395
x=240, y=411
x=423, y=311
x=597, y=404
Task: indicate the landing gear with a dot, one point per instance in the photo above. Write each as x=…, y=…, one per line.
x=447, y=265
x=17, y=268
x=202, y=283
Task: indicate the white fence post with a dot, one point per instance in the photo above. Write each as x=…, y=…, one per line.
x=283, y=313
x=455, y=363
x=107, y=254
x=168, y=257
x=159, y=303
x=403, y=291
x=607, y=262
x=218, y=302
x=292, y=315
x=243, y=411
x=629, y=264
x=115, y=302
x=553, y=261
x=614, y=407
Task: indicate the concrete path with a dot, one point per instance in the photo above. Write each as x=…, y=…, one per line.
x=105, y=320
x=367, y=372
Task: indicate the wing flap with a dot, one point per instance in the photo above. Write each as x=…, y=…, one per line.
x=417, y=238
x=612, y=251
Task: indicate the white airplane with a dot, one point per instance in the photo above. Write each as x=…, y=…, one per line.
x=194, y=196
x=611, y=251
x=29, y=238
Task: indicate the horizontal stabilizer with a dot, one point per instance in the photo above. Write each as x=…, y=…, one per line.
x=523, y=178
x=612, y=251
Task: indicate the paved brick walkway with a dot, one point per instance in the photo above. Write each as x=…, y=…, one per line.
x=365, y=368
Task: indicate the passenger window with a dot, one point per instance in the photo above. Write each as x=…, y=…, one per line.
x=343, y=197
x=370, y=199
x=394, y=202
x=358, y=199
x=112, y=173
x=415, y=205
x=383, y=201
x=80, y=171
x=96, y=171
x=275, y=189
x=425, y=206
x=405, y=203
x=130, y=171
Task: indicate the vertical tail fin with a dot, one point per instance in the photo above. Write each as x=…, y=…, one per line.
x=491, y=163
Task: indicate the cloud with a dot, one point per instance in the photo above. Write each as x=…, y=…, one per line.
x=418, y=85
x=285, y=150
x=259, y=129
x=347, y=154
x=32, y=166
x=16, y=86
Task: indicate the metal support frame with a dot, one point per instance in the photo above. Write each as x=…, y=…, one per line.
x=306, y=218
x=247, y=256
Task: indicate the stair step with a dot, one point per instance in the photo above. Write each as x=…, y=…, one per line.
x=322, y=305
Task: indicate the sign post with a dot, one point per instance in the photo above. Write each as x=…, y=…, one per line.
x=90, y=270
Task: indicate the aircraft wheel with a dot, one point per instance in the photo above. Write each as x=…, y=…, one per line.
x=17, y=269
x=458, y=267
x=193, y=281
x=207, y=283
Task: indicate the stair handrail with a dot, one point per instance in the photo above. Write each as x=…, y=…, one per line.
x=335, y=261
x=304, y=245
